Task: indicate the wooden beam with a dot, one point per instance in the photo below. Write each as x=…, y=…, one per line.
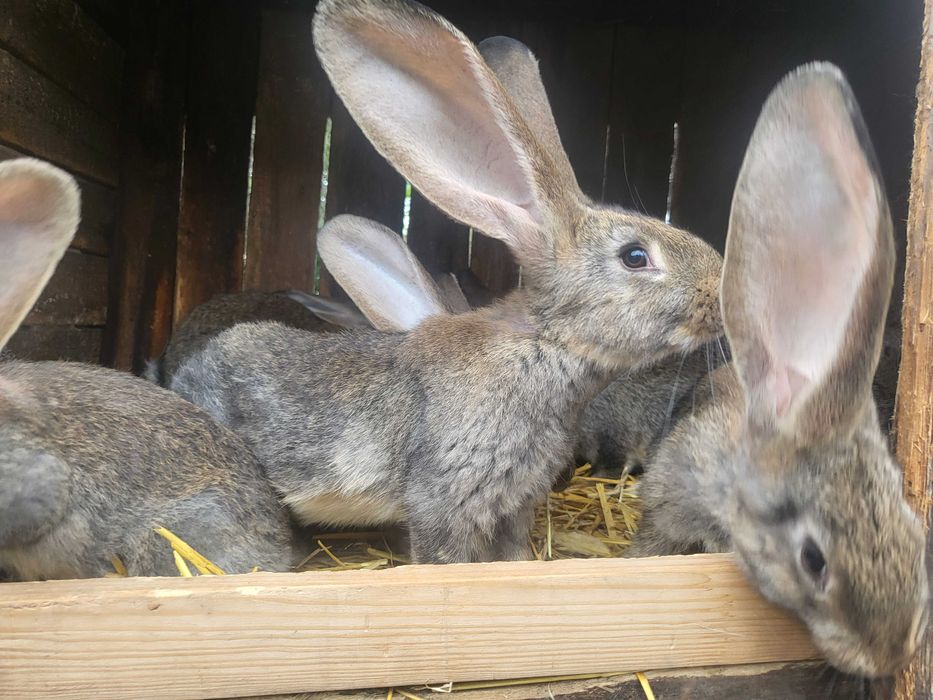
x=292, y=107
x=914, y=413
x=220, y=104
x=142, y=273
x=278, y=633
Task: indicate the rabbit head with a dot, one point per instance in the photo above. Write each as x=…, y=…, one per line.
x=815, y=508
x=618, y=288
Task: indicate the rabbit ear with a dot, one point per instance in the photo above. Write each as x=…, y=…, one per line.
x=517, y=69
x=809, y=260
x=453, y=296
x=337, y=313
x=39, y=214
x=379, y=272
x=423, y=95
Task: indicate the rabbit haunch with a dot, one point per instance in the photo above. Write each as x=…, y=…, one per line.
x=91, y=460
x=465, y=420
x=788, y=466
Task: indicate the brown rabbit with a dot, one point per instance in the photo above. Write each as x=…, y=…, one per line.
x=91, y=460
x=459, y=427
x=788, y=466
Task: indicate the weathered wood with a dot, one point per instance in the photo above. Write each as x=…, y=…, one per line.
x=142, y=275
x=38, y=116
x=75, y=295
x=60, y=40
x=221, y=99
x=292, y=107
x=38, y=343
x=647, y=65
x=98, y=208
x=269, y=633
x=359, y=181
x=914, y=413
x=439, y=242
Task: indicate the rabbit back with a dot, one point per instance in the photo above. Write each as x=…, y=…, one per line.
x=96, y=459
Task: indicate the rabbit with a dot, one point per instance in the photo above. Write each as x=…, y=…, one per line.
x=458, y=427
x=788, y=467
x=91, y=459
x=292, y=307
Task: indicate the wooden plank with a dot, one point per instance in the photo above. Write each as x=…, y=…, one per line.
x=142, y=276
x=292, y=106
x=221, y=100
x=42, y=118
x=914, y=412
x=647, y=65
x=359, y=182
x=439, y=242
x=76, y=294
x=38, y=343
x=98, y=208
x=276, y=633
x=60, y=40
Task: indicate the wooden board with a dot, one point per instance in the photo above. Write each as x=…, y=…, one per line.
x=142, y=277
x=220, y=104
x=75, y=295
x=914, y=414
x=269, y=633
x=292, y=106
x=39, y=117
x=37, y=343
x=60, y=40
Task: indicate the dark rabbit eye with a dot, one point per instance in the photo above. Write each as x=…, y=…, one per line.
x=635, y=257
x=813, y=561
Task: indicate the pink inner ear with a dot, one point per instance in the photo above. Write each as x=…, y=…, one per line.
x=785, y=383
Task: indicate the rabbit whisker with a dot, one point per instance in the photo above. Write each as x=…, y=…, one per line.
x=670, y=404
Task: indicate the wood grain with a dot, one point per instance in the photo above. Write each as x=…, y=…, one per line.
x=276, y=633
x=60, y=40
x=75, y=295
x=142, y=288
x=914, y=413
x=292, y=105
x=38, y=116
x=220, y=103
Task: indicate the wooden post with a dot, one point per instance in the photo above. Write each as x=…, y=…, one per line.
x=914, y=415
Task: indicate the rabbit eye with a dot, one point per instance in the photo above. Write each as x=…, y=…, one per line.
x=635, y=257
x=813, y=561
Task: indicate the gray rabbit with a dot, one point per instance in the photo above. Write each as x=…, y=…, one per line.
x=458, y=427
x=91, y=460
x=788, y=466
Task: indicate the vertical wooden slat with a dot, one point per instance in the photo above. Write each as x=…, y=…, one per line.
x=647, y=66
x=360, y=181
x=142, y=279
x=439, y=242
x=292, y=106
x=914, y=414
x=221, y=99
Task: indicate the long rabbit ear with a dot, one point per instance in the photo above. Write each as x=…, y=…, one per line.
x=39, y=214
x=379, y=272
x=809, y=260
x=517, y=69
x=336, y=313
x=454, y=299
x=423, y=95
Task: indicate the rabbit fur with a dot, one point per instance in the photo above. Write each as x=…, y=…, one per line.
x=788, y=466
x=91, y=460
